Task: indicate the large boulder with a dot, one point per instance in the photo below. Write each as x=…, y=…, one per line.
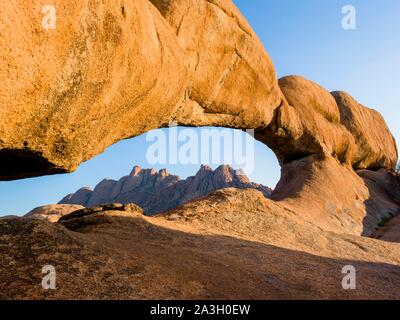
x=311, y=120
x=376, y=147
x=232, y=79
x=107, y=72
x=325, y=193
x=306, y=123
x=337, y=159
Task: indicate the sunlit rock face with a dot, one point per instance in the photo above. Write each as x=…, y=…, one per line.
x=113, y=70
x=108, y=71
x=314, y=121
x=232, y=81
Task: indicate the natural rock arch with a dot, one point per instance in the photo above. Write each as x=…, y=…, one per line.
x=115, y=69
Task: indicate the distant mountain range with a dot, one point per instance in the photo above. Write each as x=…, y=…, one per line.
x=159, y=191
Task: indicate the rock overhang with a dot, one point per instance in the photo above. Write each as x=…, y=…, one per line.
x=105, y=75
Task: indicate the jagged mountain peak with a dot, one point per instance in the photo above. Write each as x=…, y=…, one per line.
x=135, y=171
x=163, y=173
x=205, y=167
x=157, y=191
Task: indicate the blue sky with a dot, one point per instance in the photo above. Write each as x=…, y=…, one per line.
x=303, y=37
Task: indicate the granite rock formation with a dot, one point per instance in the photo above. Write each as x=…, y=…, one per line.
x=314, y=121
x=199, y=63
x=52, y=212
x=232, y=244
x=113, y=70
x=160, y=191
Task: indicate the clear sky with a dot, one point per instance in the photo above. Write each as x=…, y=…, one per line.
x=303, y=37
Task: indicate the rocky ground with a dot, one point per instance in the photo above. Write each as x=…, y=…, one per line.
x=233, y=244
